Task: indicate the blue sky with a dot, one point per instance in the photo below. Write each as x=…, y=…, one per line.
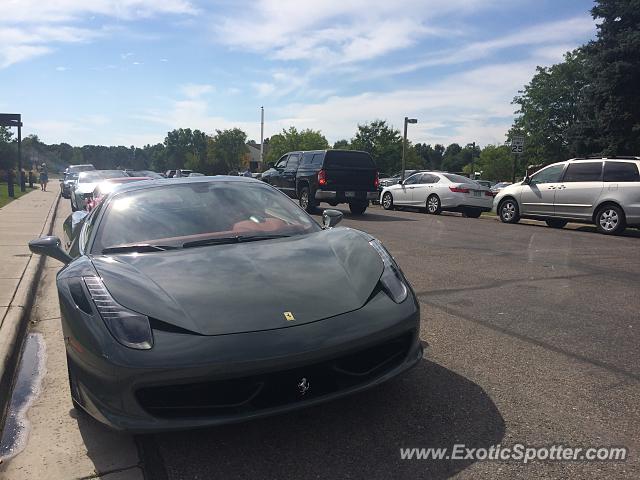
x=127, y=71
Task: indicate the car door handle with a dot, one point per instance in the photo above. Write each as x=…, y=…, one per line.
x=561, y=187
x=551, y=188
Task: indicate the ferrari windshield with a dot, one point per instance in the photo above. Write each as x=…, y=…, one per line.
x=174, y=215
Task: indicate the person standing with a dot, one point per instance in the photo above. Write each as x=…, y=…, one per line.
x=44, y=177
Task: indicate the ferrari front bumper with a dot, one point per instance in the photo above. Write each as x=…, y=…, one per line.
x=187, y=381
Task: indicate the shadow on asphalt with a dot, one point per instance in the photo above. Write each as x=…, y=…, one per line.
x=367, y=217
x=356, y=437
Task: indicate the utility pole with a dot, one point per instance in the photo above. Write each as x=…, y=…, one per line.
x=261, y=136
x=407, y=120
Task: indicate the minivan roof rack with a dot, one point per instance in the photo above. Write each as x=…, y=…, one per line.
x=619, y=157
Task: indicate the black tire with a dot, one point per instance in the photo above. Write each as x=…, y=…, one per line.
x=472, y=212
x=556, y=222
x=610, y=220
x=305, y=200
x=434, y=207
x=358, y=208
x=387, y=201
x=508, y=211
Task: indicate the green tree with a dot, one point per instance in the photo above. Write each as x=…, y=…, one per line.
x=7, y=149
x=183, y=141
x=342, y=145
x=382, y=142
x=495, y=163
x=291, y=140
x=610, y=108
x=548, y=113
x=225, y=151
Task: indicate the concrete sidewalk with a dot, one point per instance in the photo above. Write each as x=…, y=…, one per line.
x=21, y=220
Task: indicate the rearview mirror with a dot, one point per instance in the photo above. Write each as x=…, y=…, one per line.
x=330, y=218
x=50, y=247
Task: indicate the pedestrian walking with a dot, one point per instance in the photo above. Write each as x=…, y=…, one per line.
x=44, y=177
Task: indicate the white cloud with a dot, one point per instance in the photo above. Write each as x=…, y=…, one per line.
x=196, y=90
x=30, y=28
x=337, y=31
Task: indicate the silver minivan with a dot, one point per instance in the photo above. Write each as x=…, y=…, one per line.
x=603, y=191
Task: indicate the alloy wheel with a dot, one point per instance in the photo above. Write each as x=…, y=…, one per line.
x=609, y=219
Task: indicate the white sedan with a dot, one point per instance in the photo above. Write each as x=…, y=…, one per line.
x=437, y=192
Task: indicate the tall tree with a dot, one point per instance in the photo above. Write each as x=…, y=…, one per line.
x=612, y=103
x=495, y=163
x=548, y=113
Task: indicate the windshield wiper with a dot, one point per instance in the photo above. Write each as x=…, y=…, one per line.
x=226, y=240
x=138, y=247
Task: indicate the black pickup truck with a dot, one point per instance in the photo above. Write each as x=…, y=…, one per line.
x=331, y=176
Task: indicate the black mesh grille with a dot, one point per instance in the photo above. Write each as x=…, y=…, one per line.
x=273, y=389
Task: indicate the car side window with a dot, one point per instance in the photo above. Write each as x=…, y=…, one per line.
x=548, y=175
x=307, y=159
x=317, y=159
x=293, y=162
x=583, y=172
x=621, y=172
x=413, y=179
x=282, y=162
x=427, y=178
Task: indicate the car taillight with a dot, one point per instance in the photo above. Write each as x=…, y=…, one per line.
x=322, y=177
x=376, y=181
x=489, y=194
x=459, y=189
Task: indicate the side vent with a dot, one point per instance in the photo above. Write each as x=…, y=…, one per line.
x=79, y=297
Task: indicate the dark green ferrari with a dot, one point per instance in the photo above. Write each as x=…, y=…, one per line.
x=204, y=301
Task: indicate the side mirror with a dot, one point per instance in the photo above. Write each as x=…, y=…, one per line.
x=49, y=246
x=399, y=182
x=330, y=218
x=526, y=180
x=271, y=165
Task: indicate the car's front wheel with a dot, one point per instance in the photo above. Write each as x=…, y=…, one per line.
x=358, y=208
x=610, y=220
x=509, y=211
x=556, y=222
x=434, y=207
x=387, y=201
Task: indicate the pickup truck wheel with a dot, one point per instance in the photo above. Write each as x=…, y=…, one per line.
x=305, y=200
x=387, y=201
x=358, y=208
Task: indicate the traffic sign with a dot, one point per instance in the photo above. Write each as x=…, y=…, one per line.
x=517, y=144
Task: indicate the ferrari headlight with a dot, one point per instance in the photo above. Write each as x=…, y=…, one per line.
x=129, y=328
x=391, y=278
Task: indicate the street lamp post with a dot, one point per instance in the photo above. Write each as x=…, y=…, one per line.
x=473, y=154
x=407, y=120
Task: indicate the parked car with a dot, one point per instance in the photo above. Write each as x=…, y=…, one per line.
x=82, y=190
x=66, y=183
x=437, y=192
x=602, y=191
x=499, y=186
x=329, y=314
x=332, y=176
x=172, y=173
x=386, y=181
x=70, y=175
x=484, y=183
x=144, y=173
x=108, y=186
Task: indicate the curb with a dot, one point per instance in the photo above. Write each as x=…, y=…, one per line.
x=13, y=328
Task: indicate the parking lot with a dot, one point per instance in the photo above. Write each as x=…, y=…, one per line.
x=532, y=337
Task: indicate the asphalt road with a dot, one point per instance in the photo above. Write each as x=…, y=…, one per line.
x=533, y=338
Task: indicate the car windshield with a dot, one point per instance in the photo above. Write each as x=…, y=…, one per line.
x=97, y=175
x=189, y=212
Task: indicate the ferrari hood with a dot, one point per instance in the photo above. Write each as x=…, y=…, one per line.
x=245, y=287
